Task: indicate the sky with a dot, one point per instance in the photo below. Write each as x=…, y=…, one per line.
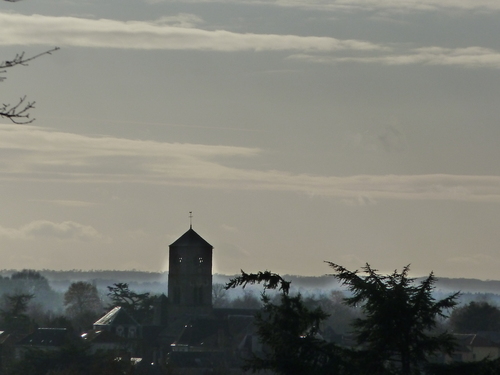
x=295, y=131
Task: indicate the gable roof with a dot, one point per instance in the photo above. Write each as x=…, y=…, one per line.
x=117, y=316
x=191, y=238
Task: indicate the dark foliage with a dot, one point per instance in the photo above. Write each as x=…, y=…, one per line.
x=13, y=313
x=475, y=317
x=289, y=332
x=399, y=317
x=138, y=305
x=73, y=358
x=83, y=305
x=268, y=279
x=484, y=367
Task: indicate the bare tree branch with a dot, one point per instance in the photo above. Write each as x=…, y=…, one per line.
x=19, y=112
x=19, y=59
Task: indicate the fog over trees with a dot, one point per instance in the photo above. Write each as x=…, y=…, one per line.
x=347, y=307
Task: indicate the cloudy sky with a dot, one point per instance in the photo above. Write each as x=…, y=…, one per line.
x=296, y=131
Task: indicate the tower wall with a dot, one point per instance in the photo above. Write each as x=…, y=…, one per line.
x=190, y=276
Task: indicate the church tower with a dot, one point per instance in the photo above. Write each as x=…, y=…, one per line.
x=190, y=276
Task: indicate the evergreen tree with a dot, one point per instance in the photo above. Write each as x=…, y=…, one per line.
x=399, y=317
x=289, y=333
x=13, y=313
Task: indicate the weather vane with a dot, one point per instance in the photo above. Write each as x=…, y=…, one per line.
x=190, y=219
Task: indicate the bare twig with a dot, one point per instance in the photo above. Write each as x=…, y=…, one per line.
x=19, y=113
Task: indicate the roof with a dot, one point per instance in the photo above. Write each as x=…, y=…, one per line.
x=205, y=332
x=191, y=238
x=115, y=317
x=473, y=340
x=46, y=337
x=101, y=337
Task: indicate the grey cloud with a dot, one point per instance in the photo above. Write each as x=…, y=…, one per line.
x=70, y=158
x=105, y=33
x=469, y=57
x=367, y=5
x=66, y=230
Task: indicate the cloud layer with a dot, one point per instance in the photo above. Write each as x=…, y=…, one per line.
x=20, y=29
x=178, y=33
x=66, y=230
x=368, y=5
x=469, y=57
x=33, y=154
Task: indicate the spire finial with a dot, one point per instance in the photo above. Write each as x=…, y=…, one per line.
x=190, y=219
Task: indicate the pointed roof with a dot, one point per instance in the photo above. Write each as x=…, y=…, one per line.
x=191, y=238
x=115, y=317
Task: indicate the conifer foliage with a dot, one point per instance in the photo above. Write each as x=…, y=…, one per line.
x=396, y=334
x=400, y=316
x=288, y=331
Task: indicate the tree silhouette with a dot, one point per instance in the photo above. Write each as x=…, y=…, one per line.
x=13, y=313
x=138, y=305
x=289, y=332
x=399, y=317
x=474, y=317
x=83, y=304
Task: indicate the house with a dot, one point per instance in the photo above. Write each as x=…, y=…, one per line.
x=47, y=339
x=119, y=322
x=474, y=347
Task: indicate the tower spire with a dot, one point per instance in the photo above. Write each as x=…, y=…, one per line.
x=190, y=219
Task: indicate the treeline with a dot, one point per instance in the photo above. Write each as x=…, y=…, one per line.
x=62, y=279
x=400, y=328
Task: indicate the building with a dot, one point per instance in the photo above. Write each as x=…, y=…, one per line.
x=185, y=330
x=190, y=277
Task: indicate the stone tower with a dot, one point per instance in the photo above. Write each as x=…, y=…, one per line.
x=190, y=276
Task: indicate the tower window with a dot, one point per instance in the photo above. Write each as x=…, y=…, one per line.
x=180, y=259
x=200, y=260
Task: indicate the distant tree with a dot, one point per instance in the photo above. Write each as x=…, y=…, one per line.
x=19, y=113
x=30, y=281
x=13, y=312
x=83, y=304
x=399, y=317
x=340, y=316
x=247, y=301
x=138, y=305
x=219, y=295
x=474, y=317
